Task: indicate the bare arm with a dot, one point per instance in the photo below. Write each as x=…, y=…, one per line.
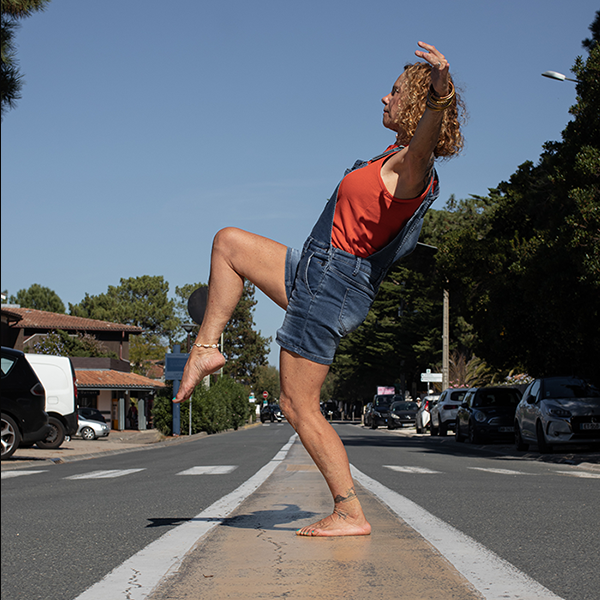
x=406, y=171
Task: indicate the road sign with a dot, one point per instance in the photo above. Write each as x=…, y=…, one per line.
x=265, y=394
x=431, y=377
x=174, y=365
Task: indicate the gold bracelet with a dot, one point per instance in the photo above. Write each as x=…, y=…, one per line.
x=435, y=102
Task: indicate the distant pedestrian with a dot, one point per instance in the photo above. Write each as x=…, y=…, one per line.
x=372, y=220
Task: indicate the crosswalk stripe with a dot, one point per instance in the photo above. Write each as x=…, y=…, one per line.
x=208, y=470
x=11, y=474
x=110, y=474
x=403, y=469
x=583, y=474
x=499, y=471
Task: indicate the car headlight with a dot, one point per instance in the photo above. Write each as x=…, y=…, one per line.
x=479, y=416
x=376, y=413
x=394, y=416
x=561, y=413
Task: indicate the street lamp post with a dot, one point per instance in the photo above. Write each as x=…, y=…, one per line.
x=558, y=76
x=189, y=327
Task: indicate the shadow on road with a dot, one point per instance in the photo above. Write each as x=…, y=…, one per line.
x=261, y=519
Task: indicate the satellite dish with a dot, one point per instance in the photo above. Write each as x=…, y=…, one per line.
x=197, y=304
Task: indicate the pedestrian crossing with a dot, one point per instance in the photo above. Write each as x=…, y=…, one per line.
x=227, y=469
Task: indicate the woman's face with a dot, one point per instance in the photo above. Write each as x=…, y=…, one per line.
x=392, y=105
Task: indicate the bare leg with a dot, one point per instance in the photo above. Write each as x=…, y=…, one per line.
x=236, y=255
x=301, y=382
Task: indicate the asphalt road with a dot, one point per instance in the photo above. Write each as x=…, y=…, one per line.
x=62, y=533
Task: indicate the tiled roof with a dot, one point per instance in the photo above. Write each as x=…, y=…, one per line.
x=40, y=319
x=115, y=380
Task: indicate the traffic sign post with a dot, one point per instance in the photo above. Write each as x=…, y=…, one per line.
x=174, y=365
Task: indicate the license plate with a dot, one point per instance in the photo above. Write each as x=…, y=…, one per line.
x=589, y=426
x=506, y=429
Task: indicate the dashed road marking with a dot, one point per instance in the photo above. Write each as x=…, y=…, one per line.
x=403, y=469
x=583, y=474
x=110, y=474
x=11, y=474
x=500, y=471
x=209, y=470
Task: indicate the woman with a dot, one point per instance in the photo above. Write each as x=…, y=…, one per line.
x=328, y=288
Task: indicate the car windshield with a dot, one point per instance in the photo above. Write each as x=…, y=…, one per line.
x=570, y=388
x=400, y=406
x=382, y=401
x=497, y=397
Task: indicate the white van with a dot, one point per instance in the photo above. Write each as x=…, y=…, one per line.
x=58, y=378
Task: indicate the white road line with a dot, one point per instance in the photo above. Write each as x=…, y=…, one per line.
x=109, y=474
x=137, y=577
x=11, y=474
x=493, y=577
x=500, y=471
x=402, y=469
x=584, y=474
x=214, y=470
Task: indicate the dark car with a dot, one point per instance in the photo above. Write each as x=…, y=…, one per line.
x=377, y=412
x=24, y=419
x=271, y=412
x=402, y=413
x=486, y=414
x=91, y=414
x=558, y=411
x=330, y=410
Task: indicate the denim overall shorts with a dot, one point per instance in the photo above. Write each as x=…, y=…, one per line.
x=330, y=291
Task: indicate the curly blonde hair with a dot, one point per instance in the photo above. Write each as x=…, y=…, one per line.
x=417, y=82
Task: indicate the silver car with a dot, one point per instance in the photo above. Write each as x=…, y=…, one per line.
x=91, y=430
x=558, y=410
x=443, y=412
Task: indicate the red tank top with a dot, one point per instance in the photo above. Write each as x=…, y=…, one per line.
x=367, y=217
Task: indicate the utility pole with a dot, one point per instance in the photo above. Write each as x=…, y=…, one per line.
x=446, y=341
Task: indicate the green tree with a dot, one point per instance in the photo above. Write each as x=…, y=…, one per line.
x=266, y=379
x=527, y=274
x=141, y=301
x=244, y=348
x=39, y=297
x=11, y=80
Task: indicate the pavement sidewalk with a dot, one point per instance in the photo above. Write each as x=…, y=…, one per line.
x=254, y=553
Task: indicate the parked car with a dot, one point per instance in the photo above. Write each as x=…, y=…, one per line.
x=402, y=413
x=58, y=378
x=423, y=416
x=24, y=419
x=487, y=413
x=91, y=430
x=93, y=414
x=443, y=412
x=557, y=411
x=271, y=412
x=377, y=412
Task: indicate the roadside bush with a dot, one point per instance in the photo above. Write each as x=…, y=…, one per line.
x=222, y=406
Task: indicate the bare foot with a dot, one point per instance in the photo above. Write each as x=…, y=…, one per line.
x=337, y=525
x=202, y=362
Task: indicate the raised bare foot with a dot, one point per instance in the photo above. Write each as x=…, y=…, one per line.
x=202, y=362
x=337, y=525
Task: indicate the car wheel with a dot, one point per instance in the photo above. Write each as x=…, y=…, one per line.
x=519, y=443
x=373, y=424
x=11, y=436
x=457, y=435
x=474, y=437
x=56, y=436
x=432, y=430
x=443, y=430
x=87, y=433
x=543, y=446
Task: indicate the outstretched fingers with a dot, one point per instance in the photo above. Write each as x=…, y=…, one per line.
x=440, y=67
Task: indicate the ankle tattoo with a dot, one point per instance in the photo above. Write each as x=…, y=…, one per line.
x=350, y=495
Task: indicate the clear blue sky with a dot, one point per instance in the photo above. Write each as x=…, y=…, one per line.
x=146, y=126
